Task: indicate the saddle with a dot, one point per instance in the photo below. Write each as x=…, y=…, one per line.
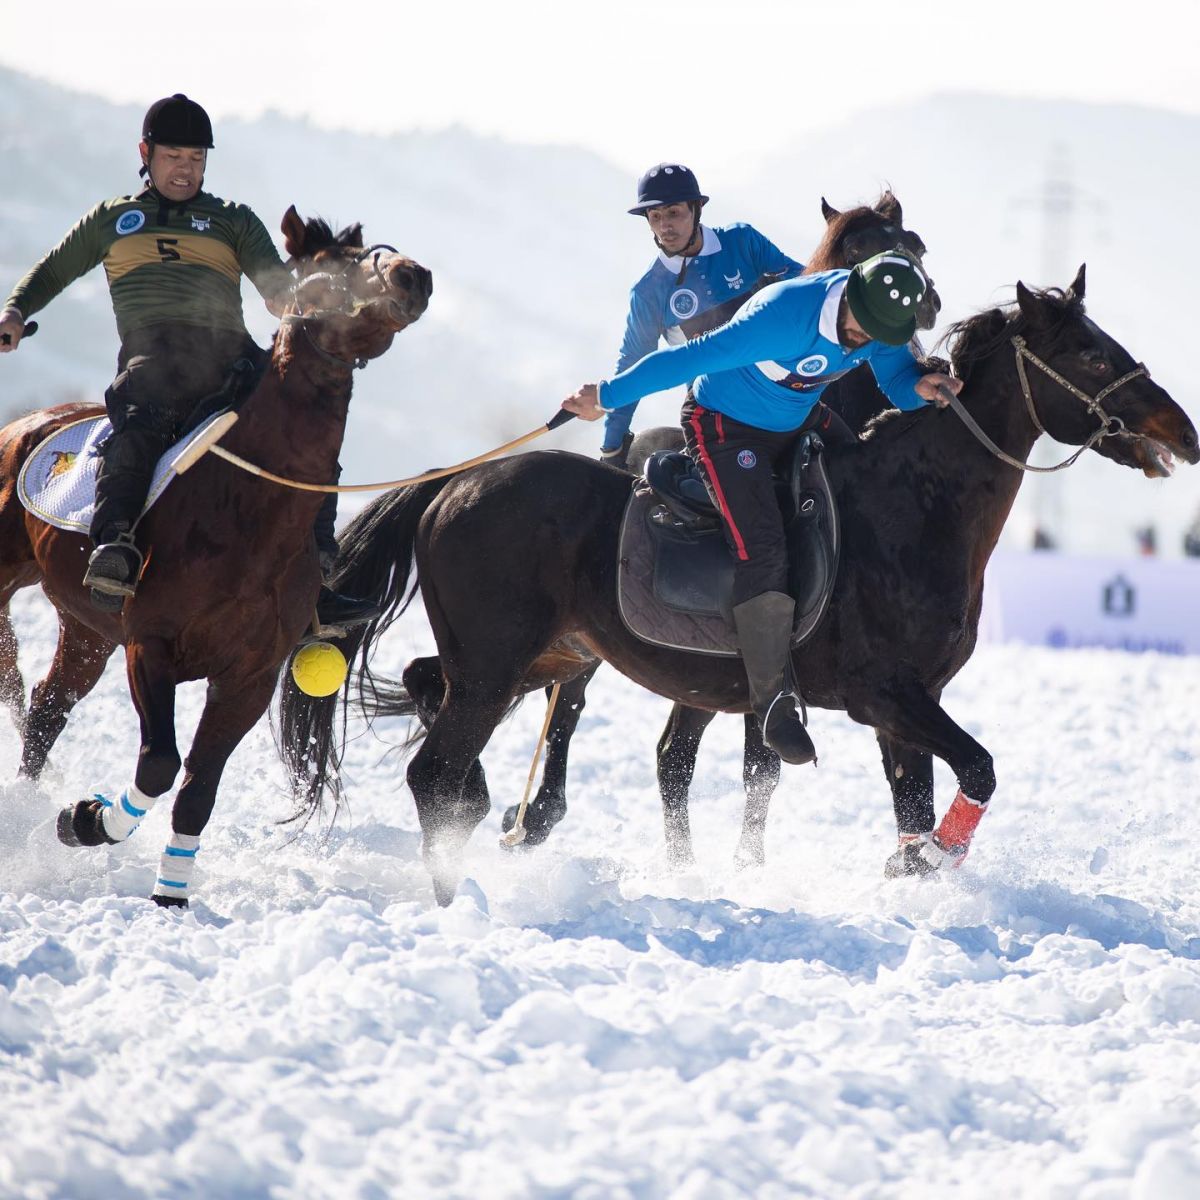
x=675, y=572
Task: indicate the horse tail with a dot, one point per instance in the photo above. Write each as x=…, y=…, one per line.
x=375, y=560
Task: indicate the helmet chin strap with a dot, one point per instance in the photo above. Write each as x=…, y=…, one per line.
x=696, y=206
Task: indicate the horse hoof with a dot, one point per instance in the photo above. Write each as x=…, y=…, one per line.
x=170, y=901
x=443, y=891
x=908, y=861
x=82, y=825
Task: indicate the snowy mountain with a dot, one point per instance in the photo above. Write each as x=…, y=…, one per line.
x=533, y=256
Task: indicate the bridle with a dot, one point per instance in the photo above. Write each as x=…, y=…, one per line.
x=348, y=305
x=1110, y=426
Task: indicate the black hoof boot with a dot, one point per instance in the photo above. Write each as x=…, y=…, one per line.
x=82, y=825
x=344, y=611
x=170, y=901
x=908, y=861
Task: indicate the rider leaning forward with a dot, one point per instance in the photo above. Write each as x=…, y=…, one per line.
x=700, y=278
x=756, y=384
x=174, y=257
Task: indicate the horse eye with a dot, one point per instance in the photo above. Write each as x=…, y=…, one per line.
x=1096, y=362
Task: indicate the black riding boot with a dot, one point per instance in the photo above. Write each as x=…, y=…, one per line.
x=113, y=568
x=764, y=629
x=333, y=608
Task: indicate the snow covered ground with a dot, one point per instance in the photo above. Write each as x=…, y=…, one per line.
x=582, y=1023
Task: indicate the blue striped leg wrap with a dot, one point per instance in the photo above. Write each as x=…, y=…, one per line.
x=123, y=815
x=176, y=866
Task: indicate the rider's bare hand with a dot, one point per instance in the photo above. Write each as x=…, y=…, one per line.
x=929, y=387
x=585, y=402
x=12, y=324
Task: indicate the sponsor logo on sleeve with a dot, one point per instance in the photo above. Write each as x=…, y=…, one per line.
x=131, y=221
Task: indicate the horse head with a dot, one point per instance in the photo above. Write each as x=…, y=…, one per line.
x=360, y=297
x=860, y=233
x=1078, y=379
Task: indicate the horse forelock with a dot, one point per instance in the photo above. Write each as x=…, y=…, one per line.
x=319, y=236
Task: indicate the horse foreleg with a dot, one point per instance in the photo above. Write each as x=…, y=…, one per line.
x=909, y=774
x=152, y=681
x=677, y=750
x=760, y=774
x=79, y=661
x=549, y=804
x=907, y=713
x=448, y=812
x=230, y=711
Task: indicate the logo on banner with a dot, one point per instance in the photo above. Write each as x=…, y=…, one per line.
x=684, y=303
x=1118, y=597
x=130, y=222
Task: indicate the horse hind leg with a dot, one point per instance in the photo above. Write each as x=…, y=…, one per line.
x=79, y=661
x=12, y=685
x=760, y=774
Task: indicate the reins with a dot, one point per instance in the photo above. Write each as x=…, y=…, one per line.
x=1110, y=426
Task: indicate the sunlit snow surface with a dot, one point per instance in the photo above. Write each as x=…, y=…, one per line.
x=583, y=1023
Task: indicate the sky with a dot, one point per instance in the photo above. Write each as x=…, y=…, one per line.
x=721, y=83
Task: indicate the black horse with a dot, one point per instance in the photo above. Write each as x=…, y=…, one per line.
x=516, y=562
x=851, y=236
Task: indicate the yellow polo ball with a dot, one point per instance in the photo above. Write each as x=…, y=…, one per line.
x=319, y=669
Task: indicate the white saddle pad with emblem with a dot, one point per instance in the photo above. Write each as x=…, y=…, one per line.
x=58, y=481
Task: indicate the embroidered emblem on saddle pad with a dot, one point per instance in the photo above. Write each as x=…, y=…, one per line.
x=675, y=573
x=58, y=481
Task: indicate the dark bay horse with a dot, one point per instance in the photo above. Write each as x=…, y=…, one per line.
x=231, y=574
x=516, y=562
x=851, y=236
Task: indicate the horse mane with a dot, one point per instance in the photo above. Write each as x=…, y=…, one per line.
x=826, y=257
x=978, y=337
x=319, y=235
x=975, y=338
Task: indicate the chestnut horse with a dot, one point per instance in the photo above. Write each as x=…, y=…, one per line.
x=231, y=574
x=517, y=560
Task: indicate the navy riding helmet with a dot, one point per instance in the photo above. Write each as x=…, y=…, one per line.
x=666, y=183
x=177, y=121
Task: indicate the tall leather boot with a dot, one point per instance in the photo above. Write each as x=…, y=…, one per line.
x=764, y=629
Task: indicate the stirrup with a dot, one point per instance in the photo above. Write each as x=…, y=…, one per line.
x=114, y=567
x=785, y=733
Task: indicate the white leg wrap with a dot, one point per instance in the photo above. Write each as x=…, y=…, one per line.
x=122, y=816
x=176, y=866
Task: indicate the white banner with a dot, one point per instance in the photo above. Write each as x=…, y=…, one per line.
x=1050, y=599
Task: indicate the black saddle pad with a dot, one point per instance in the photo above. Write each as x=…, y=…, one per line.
x=675, y=574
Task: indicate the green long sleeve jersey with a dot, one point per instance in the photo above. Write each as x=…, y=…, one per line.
x=164, y=261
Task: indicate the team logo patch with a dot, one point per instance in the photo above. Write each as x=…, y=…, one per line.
x=734, y=280
x=747, y=459
x=684, y=303
x=62, y=462
x=130, y=222
x=814, y=364
x=201, y=224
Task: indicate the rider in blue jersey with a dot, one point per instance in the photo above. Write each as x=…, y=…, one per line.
x=700, y=278
x=757, y=382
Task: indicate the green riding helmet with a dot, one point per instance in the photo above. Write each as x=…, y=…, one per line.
x=883, y=293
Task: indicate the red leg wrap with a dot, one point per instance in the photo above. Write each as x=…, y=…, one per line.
x=958, y=826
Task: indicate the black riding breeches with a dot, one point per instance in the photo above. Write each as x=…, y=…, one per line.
x=165, y=370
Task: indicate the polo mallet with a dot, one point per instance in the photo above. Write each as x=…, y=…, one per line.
x=516, y=835
x=31, y=327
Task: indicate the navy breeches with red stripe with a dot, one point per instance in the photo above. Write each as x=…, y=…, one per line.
x=737, y=462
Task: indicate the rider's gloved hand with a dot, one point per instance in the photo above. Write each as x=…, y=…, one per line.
x=620, y=456
x=12, y=326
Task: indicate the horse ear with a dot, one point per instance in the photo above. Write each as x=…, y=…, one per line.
x=888, y=206
x=828, y=211
x=1028, y=303
x=1078, y=284
x=294, y=232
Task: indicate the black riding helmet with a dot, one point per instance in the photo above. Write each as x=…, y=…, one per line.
x=177, y=121
x=666, y=183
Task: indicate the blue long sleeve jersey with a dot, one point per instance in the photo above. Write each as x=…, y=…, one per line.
x=732, y=262
x=770, y=364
